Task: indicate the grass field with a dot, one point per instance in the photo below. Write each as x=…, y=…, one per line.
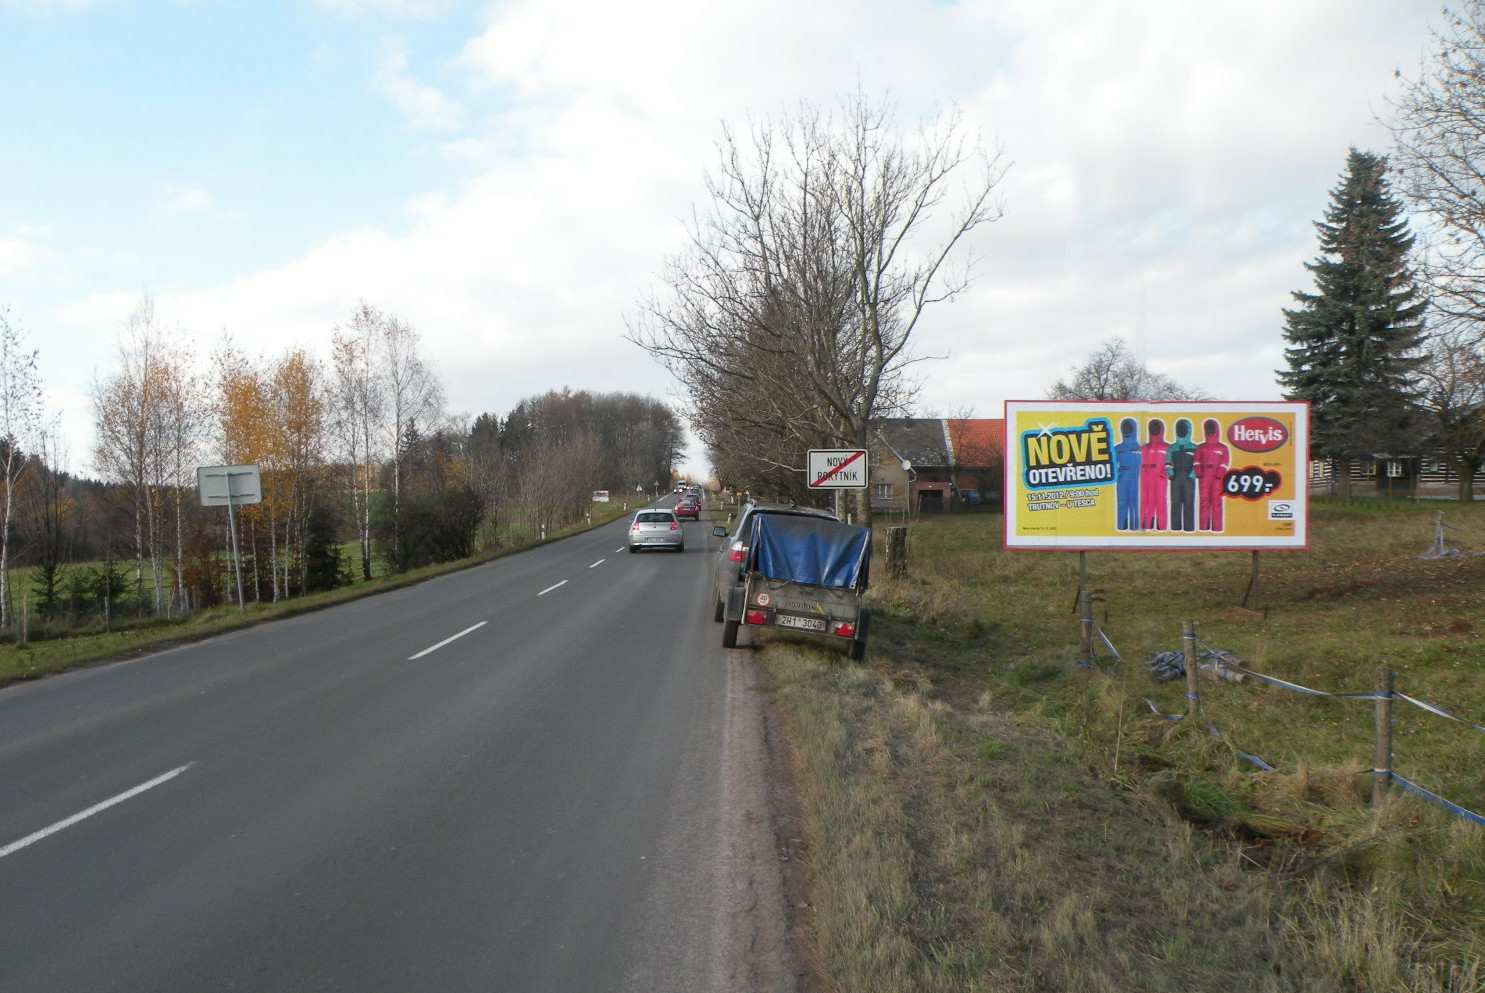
x=983, y=814
x=93, y=644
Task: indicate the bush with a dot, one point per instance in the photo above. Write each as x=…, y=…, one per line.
x=325, y=567
x=435, y=527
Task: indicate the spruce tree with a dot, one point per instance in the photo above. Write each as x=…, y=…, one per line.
x=1354, y=344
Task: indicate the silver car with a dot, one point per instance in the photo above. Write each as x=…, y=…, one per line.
x=734, y=551
x=656, y=529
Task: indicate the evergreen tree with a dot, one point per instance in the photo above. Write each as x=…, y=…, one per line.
x=1354, y=344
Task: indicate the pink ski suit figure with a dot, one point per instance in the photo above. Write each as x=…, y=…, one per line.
x=1153, y=484
x=1212, y=459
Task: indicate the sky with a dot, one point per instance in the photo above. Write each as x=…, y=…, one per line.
x=510, y=177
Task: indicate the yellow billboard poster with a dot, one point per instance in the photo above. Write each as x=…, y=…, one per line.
x=1178, y=475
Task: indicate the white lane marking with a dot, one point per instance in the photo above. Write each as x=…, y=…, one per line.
x=453, y=637
x=595, y=565
x=619, y=549
x=552, y=587
x=96, y=808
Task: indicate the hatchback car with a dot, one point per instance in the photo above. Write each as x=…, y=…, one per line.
x=688, y=507
x=656, y=529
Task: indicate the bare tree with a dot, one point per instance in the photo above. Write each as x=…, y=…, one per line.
x=20, y=415
x=1438, y=126
x=826, y=238
x=1453, y=377
x=1113, y=372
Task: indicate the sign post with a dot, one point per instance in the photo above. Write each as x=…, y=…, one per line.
x=837, y=469
x=233, y=485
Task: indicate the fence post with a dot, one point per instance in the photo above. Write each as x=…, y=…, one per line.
x=1382, y=759
x=1085, y=622
x=25, y=618
x=105, y=612
x=1188, y=645
x=896, y=551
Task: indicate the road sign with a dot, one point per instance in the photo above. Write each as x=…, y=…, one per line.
x=229, y=485
x=837, y=469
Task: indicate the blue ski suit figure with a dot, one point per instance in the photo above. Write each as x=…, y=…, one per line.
x=1180, y=469
x=1127, y=477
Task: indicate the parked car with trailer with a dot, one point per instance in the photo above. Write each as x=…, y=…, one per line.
x=728, y=573
x=803, y=575
x=656, y=528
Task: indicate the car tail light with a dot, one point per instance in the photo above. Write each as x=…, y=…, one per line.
x=737, y=552
x=675, y=525
x=755, y=617
x=845, y=630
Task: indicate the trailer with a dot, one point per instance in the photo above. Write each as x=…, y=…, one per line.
x=804, y=575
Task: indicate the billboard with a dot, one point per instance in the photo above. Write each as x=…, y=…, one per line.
x=1180, y=475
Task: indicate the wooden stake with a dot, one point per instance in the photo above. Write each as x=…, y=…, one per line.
x=1382, y=757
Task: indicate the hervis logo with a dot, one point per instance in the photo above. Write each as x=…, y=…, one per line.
x=1257, y=434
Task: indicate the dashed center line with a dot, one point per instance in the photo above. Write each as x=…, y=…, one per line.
x=595, y=565
x=453, y=637
x=96, y=808
x=619, y=549
x=552, y=587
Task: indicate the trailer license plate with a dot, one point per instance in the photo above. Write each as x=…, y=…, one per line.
x=803, y=623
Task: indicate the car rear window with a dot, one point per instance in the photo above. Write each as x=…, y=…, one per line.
x=655, y=518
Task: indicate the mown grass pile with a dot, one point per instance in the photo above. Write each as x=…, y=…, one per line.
x=1032, y=821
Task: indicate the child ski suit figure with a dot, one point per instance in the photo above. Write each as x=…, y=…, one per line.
x=1127, y=477
x=1153, y=482
x=1212, y=459
x=1180, y=466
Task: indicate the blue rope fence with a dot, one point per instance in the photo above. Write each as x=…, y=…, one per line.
x=1229, y=661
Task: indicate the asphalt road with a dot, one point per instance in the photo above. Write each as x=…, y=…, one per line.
x=568, y=797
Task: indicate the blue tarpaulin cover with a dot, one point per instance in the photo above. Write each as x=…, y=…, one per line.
x=810, y=550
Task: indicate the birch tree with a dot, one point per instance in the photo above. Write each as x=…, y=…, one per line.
x=127, y=418
x=412, y=395
x=20, y=412
x=357, y=392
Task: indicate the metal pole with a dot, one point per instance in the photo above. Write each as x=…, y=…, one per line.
x=236, y=556
x=1188, y=645
x=1382, y=758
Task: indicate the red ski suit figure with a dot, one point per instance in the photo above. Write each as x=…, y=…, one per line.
x=1212, y=459
x=1154, y=507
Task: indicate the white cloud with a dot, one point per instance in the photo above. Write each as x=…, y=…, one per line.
x=175, y=201
x=413, y=9
x=425, y=106
x=1169, y=160
x=20, y=254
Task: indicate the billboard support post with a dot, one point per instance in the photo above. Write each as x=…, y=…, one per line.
x=1252, y=593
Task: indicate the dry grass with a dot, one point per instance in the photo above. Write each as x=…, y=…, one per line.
x=988, y=816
